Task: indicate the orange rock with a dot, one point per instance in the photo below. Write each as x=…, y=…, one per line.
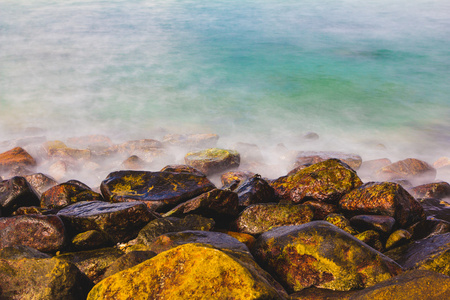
x=15, y=157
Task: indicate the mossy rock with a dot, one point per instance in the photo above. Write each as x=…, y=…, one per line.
x=90, y=239
x=314, y=293
x=326, y=181
x=341, y=222
x=159, y=190
x=436, y=208
x=127, y=261
x=259, y=218
x=185, y=273
x=313, y=157
x=213, y=160
x=15, y=157
x=398, y=238
x=19, y=252
x=321, y=209
x=322, y=255
x=182, y=169
x=67, y=193
x=371, y=238
x=232, y=179
x=437, y=190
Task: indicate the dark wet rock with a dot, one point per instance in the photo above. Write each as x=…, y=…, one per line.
x=161, y=226
x=436, y=190
x=182, y=169
x=191, y=141
x=92, y=239
x=93, y=263
x=255, y=190
x=341, y=222
x=326, y=181
x=382, y=224
x=42, y=278
x=127, y=261
x=67, y=193
x=40, y=182
x=320, y=254
x=398, y=238
x=221, y=205
x=134, y=163
x=429, y=227
x=247, y=239
x=159, y=190
x=120, y=221
x=20, y=251
x=321, y=209
x=231, y=180
x=15, y=193
x=414, y=285
x=259, y=218
x=213, y=160
x=30, y=210
x=314, y=293
x=371, y=238
x=386, y=198
x=412, y=169
x=185, y=273
x=439, y=209
x=44, y=233
x=313, y=157
x=15, y=157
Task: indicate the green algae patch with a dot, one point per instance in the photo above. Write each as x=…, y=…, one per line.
x=187, y=272
x=213, y=160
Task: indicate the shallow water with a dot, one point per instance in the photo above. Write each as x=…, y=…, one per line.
x=358, y=73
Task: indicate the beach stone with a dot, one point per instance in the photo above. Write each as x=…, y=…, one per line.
x=371, y=238
x=20, y=251
x=412, y=169
x=385, y=198
x=42, y=278
x=40, y=182
x=247, y=239
x=321, y=209
x=191, y=141
x=221, y=205
x=437, y=208
x=259, y=218
x=119, y=221
x=232, y=179
x=58, y=170
x=325, y=181
x=134, y=163
x=67, y=193
x=139, y=146
x=95, y=142
x=158, y=190
x=429, y=227
x=312, y=157
x=369, y=167
x=381, y=224
x=127, y=261
x=93, y=263
x=322, y=255
x=185, y=273
x=398, y=238
x=436, y=190
x=213, y=160
x=413, y=285
x=15, y=193
x=59, y=149
x=15, y=157
x=442, y=162
x=255, y=190
x=44, y=233
x=91, y=239
x=341, y=222
x=157, y=227
x=182, y=169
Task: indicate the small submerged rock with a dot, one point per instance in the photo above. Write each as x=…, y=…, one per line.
x=411, y=169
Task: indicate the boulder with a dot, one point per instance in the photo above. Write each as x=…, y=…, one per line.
x=67, y=193
x=19, y=252
x=95, y=142
x=57, y=149
x=321, y=209
x=369, y=167
x=412, y=169
x=91, y=239
x=127, y=261
x=398, y=238
x=213, y=160
x=429, y=227
x=44, y=233
x=314, y=293
x=386, y=198
x=371, y=238
x=325, y=181
x=259, y=218
x=320, y=254
x=436, y=208
x=254, y=190
x=119, y=221
x=436, y=190
x=134, y=163
x=191, y=141
x=40, y=182
x=381, y=224
x=182, y=169
x=185, y=273
x=15, y=157
x=158, y=190
x=232, y=179
x=312, y=157
x=15, y=193
x=341, y=222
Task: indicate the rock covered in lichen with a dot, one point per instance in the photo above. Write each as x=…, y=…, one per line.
x=67, y=193
x=255, y=190
x=15, y=157
x=213, y=160
x=436, y=190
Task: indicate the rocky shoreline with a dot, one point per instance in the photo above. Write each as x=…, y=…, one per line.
x=333, y=227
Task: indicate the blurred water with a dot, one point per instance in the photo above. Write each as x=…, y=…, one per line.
x=356, y=72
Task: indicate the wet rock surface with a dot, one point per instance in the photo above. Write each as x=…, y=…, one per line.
x=15, y=193
x=64, y=194
x=213, y=160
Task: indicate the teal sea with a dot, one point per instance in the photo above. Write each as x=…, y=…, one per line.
x=358, y=73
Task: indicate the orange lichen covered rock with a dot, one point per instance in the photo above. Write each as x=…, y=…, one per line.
x=213, y=160
x=15, y=157
x=412, y=169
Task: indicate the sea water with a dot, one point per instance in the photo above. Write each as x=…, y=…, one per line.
x=360, y=74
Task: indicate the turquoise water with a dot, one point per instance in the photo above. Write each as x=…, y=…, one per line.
x=356, y=72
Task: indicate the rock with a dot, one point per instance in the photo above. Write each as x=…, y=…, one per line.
x=59, y=149
x=398, y=238
x=371, y=238
x=231, y=180
x=158, y=190
x=157, y=227
x=412, y=169
x=213, y=160
x=185, y=273
x=19, y=252
x=429, y=227
x=221, y=205
x=255, y=190
x=42, y=278
x=94, y=142
x=341, y=222
x=15, y=157
x=247, y=239
x=381, y=224
x=369, y=167
x=92, y=263
x=442, y=162
x=127, y=261
x=40, y=182
x=92, y=239
x=414, y=285
x=436, y=208
x=386, y=198
x=326, y=181
x=58, y=169
x=15, y=193
x=182, y=169
x=320, y=254
x=32, y=210
x=119, y=221
x=436, y=190
x=259, y=218
x=191, y=141
x=44, y=233
x=321, y=294
x=313, y=157
x=67, y=193
x=321, y=209
x=134, y=163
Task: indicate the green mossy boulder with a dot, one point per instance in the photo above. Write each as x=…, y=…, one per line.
x=341, y=222
x=398, y=238
x=259, y=218
x=371, y=238
x=326, y=181
x=322, y=255
x=19, y=252
x=213, y=160
x=232, y=179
